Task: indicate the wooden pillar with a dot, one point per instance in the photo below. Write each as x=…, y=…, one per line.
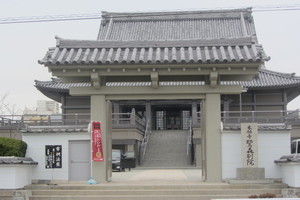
x=101, y=111
x=194, y=112
x=117, y=111
x=285, y=100
x=212, y=138
x=63, y=103
x=132, y=118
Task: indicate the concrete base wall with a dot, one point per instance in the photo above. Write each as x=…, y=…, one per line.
x=271, y=146
x=250, y=173
x=291, y=174
x=15, y=176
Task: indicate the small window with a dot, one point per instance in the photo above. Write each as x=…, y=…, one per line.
x=293, y=147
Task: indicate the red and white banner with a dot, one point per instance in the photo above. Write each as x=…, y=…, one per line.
x=97, y=150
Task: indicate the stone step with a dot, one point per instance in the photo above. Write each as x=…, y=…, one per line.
x=6, y=197
x=167, y=149
x=12, y=194
x=186, y=192
x=155, y=186
x=140, y=197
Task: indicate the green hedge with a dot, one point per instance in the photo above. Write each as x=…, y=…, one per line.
x=12, y=147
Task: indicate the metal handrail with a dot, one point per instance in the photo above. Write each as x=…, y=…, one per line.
x=145, y=141
x=189, y=138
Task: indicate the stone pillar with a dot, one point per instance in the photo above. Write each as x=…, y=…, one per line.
x=101, y=111
x=212, y=138
x=250, y=170
x=198, y=153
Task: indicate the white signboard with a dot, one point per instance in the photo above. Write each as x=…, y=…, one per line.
x=249, y=145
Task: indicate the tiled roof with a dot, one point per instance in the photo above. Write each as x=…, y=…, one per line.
x=180, y=25
x=264, y=79
x=79, y=52
x=57, y=85
x=17, y=161
x=292, y=158
x=267, y=78
x=55, y=129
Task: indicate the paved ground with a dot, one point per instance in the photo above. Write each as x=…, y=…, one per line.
x=145, y=175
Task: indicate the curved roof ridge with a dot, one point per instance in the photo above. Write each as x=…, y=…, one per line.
x=282, y=74
x=75, y=43
x=222, y=23
x=172, y=14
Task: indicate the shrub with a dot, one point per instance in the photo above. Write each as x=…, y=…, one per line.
x=12, y=147
x=266, y=195
x=254, y=196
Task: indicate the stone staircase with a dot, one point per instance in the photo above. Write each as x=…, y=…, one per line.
x=7, y=194
x=156, y=191
x=167, y=149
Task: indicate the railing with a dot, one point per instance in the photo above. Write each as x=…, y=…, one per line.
x=21, y=121
x=131, y=120
x=11, y=122
x=128, y=120
x=262, y=117
x=145, y=142
x=119, y=120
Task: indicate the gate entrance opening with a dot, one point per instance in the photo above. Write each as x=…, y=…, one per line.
x=172, y=118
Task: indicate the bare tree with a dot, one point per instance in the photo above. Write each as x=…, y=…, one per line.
x=6, y=108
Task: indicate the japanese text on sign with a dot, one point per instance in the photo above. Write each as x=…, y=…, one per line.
x=249, y=144
x=53, y=155
x=97, y=150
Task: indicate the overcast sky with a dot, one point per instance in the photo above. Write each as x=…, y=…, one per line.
x=22, y=45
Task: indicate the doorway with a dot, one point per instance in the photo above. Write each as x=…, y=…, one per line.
x=79, y=160
x=172, y=119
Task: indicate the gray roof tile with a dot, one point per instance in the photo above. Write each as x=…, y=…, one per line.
x=181, y=25
x=72, y=52
x=264, y=79
x=6, y=160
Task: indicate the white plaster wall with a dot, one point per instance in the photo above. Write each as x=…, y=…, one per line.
x=36, y=150
x=271, y=146
x=231, y=154
x=291, y=174
x=15, y=176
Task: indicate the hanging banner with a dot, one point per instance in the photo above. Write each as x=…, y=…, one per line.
x=97, y=150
